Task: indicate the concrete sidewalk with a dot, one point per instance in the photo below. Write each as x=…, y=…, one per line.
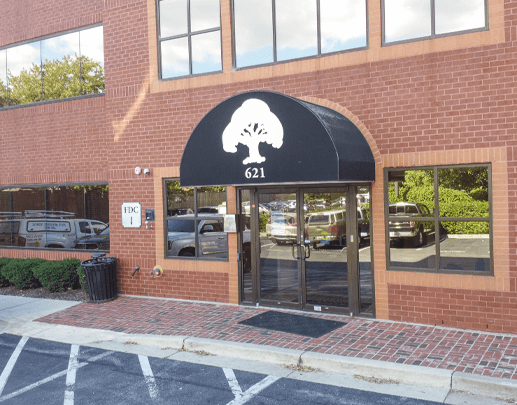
x=364, y=350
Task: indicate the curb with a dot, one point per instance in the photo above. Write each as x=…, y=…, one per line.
x=402, y=373
x=245, y=351
x=165, y=346
x=484, y=386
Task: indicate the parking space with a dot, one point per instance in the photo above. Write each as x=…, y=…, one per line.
x=39, y=371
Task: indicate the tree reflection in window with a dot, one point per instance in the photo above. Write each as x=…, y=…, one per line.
x=58, y=67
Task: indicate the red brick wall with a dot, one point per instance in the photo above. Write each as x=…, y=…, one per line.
x=189, y=285
x=468, y=309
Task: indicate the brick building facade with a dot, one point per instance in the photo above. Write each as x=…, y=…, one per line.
x=441, y=101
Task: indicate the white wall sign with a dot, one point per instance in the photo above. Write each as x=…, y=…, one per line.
x=131, y=215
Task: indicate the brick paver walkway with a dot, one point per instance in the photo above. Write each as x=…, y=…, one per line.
x=426, y=346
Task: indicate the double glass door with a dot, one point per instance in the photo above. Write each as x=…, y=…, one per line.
x=304, y=249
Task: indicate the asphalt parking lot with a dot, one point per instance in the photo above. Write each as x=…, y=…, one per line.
x=38, y=371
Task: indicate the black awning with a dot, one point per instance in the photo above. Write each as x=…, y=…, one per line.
x=263, y=137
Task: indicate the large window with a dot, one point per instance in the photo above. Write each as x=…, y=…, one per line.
x=51, y=68
x=194, y=222
x=439, y=219
x=270, y=31
x=55, y=217
x=409, y=20
x=189, y=37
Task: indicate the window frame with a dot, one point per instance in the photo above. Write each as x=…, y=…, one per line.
x=189, y=36
x=197, y=218
x=40, y=39
x=433, y=27
x=316, y=56
x=45, y=187
x=437, y=219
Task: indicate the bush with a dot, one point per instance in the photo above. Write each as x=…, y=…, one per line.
x=453, y=203
x=479, y=194
x=57, y=276
x=3, y=281
x=20, y=272
x=263, y=218
x=82, y=278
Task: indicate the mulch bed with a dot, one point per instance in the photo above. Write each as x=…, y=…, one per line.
x=70, y=295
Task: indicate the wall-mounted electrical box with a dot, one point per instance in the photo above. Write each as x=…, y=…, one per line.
x=149, y=214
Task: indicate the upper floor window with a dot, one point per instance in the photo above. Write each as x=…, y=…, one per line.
x=189, y=37
x=270, y=31
x=51, y=68
x=408, y=20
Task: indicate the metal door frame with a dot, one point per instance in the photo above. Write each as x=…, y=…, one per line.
x=354, y=305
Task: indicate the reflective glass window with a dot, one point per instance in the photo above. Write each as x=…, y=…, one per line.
x=253, y=32
x=463, y=192
x=465, y=246
x=195, y=222
x=55, y=217
x=53, y=68
x=343, y=25
x=296, y=29
x=92, y=60
x=173, y=18
x=411, y=228
x=206, y=52
x=204, y=14
x=175, y=57
x=406, y=20
x=189, y=37
x=61, y=66
x=454, y=237
x=459, y=15
x=268, y=31
x=24, y=73
x=3, y=78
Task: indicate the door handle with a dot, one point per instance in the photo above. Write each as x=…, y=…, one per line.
x=292, y=251
x=307, y=249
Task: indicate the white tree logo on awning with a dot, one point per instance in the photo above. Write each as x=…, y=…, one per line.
x=252, y=124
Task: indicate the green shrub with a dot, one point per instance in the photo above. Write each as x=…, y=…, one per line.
x=3, y=281
x=453, y=203
x=59, y=275
x=82, y=278
x=466, y=228
x=263, y=218
x=479, y=194
x=20, y=272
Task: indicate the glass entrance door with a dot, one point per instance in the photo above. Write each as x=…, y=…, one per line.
x=307, y=248
x=279, y=264
x=326, y=265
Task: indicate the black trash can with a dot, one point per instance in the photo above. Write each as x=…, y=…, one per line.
x=101, y=277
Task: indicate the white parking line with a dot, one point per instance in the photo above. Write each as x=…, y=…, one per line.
x=232, y=381
x=52, y=377
x=10, y=364
x=149, y=376
x=252, y=391
x=70, y=375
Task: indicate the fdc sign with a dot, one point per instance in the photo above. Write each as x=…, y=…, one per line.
x=131, y=215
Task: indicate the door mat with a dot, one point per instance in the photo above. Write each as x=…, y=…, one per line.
x=290, y=323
